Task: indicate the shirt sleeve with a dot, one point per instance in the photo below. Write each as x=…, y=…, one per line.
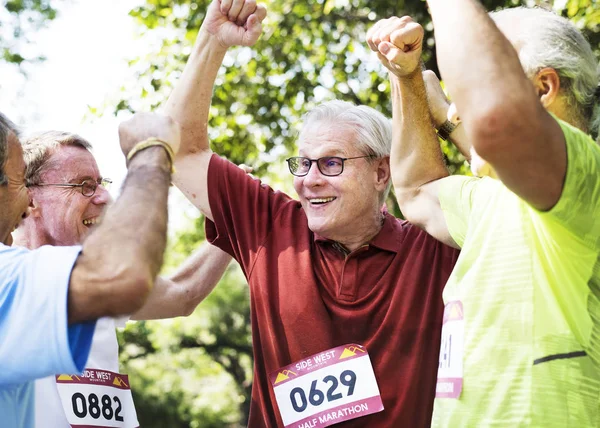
x=579, y=205
x=121, y=322
x=244, y=211
x=35, y=338
x=460, y=197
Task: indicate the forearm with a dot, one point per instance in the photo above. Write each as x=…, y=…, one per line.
x=416, y=158
x=182, y=292
x=502, y=94
x=189, y=104
x=121, y=258
x=458, y=137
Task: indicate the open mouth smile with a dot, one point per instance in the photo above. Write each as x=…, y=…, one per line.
x=321, y=201
x=91, y=221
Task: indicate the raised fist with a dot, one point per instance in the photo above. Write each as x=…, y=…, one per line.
x=235, y=22
x=398, y=43
x=142, y=126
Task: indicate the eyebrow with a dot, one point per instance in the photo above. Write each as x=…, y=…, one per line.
x=328, y=154
x=81, y=179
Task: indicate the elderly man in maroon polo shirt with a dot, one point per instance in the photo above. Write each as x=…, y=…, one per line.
x=346, y=301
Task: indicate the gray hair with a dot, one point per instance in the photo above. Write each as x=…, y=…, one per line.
x=6, y=127
x=38, y=148
x=549, y=40
x=373, y=129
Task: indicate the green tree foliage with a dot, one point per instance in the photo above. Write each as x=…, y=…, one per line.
x=194, y=371
x=197, y=371
x=20, y=18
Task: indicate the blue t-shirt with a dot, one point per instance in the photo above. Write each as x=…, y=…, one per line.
x=35, y=338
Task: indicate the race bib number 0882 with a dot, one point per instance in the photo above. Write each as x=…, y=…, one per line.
x=97, y=398
x=97, y=407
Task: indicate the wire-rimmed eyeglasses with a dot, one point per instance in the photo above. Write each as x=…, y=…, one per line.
x=88, y=187
x=328, y=165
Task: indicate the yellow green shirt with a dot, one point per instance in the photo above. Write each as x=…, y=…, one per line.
x=529, y=283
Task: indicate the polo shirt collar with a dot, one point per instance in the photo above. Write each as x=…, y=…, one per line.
x=387, y=239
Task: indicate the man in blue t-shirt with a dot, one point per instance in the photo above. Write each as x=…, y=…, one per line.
x=51, y=297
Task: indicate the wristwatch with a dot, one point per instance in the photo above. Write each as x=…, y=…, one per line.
x=446, y=129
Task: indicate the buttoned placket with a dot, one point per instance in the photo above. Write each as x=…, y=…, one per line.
x=349, y=276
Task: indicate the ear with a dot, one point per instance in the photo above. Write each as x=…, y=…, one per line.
x=34, y=206
x=383, y=174
x=547, y=86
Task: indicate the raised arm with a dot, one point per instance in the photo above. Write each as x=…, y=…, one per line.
x=416, y=159
x=500, y=111
x=120, y=259
x=180, y=293
x=236, y=22
x=441, y=110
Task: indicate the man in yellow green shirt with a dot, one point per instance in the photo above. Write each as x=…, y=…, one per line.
x=521, y=335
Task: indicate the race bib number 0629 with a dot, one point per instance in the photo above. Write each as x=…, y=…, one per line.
x=327, y=388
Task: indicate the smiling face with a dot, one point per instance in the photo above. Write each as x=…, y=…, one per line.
x=14, y=198
x=344, y=208
x=62, y=215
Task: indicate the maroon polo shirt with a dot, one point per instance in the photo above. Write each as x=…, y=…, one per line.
x=307, y=296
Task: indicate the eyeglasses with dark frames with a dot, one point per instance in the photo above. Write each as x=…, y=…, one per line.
x=88, y=187
x=330, y=166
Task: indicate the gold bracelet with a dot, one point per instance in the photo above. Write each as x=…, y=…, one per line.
x=151, y=142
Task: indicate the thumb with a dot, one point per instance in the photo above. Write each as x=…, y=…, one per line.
x=253, y=29
x=390, y=51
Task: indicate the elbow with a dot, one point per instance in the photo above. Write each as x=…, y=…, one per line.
x=185, y=302
x=186, y=307
x=102, y=289
x=404, y=195
x=187, y=310
x=190, y=303
x=125, y=290
x=130, y=292
x=137, y=291
x=494, y=129
x=408, y=203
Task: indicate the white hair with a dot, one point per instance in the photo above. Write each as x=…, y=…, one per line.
x=372, y=128
x=549, y=40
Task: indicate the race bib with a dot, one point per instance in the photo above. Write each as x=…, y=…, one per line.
x=450, y=369
x=97, y=398
x=327, y=388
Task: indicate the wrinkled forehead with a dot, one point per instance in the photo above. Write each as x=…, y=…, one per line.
x=323, y=139
x=70, y=162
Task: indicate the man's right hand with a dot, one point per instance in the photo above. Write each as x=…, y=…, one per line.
x=234, y=22
x=142, y=126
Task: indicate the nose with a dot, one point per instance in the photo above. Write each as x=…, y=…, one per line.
x=314, y=176
x=101, y=196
